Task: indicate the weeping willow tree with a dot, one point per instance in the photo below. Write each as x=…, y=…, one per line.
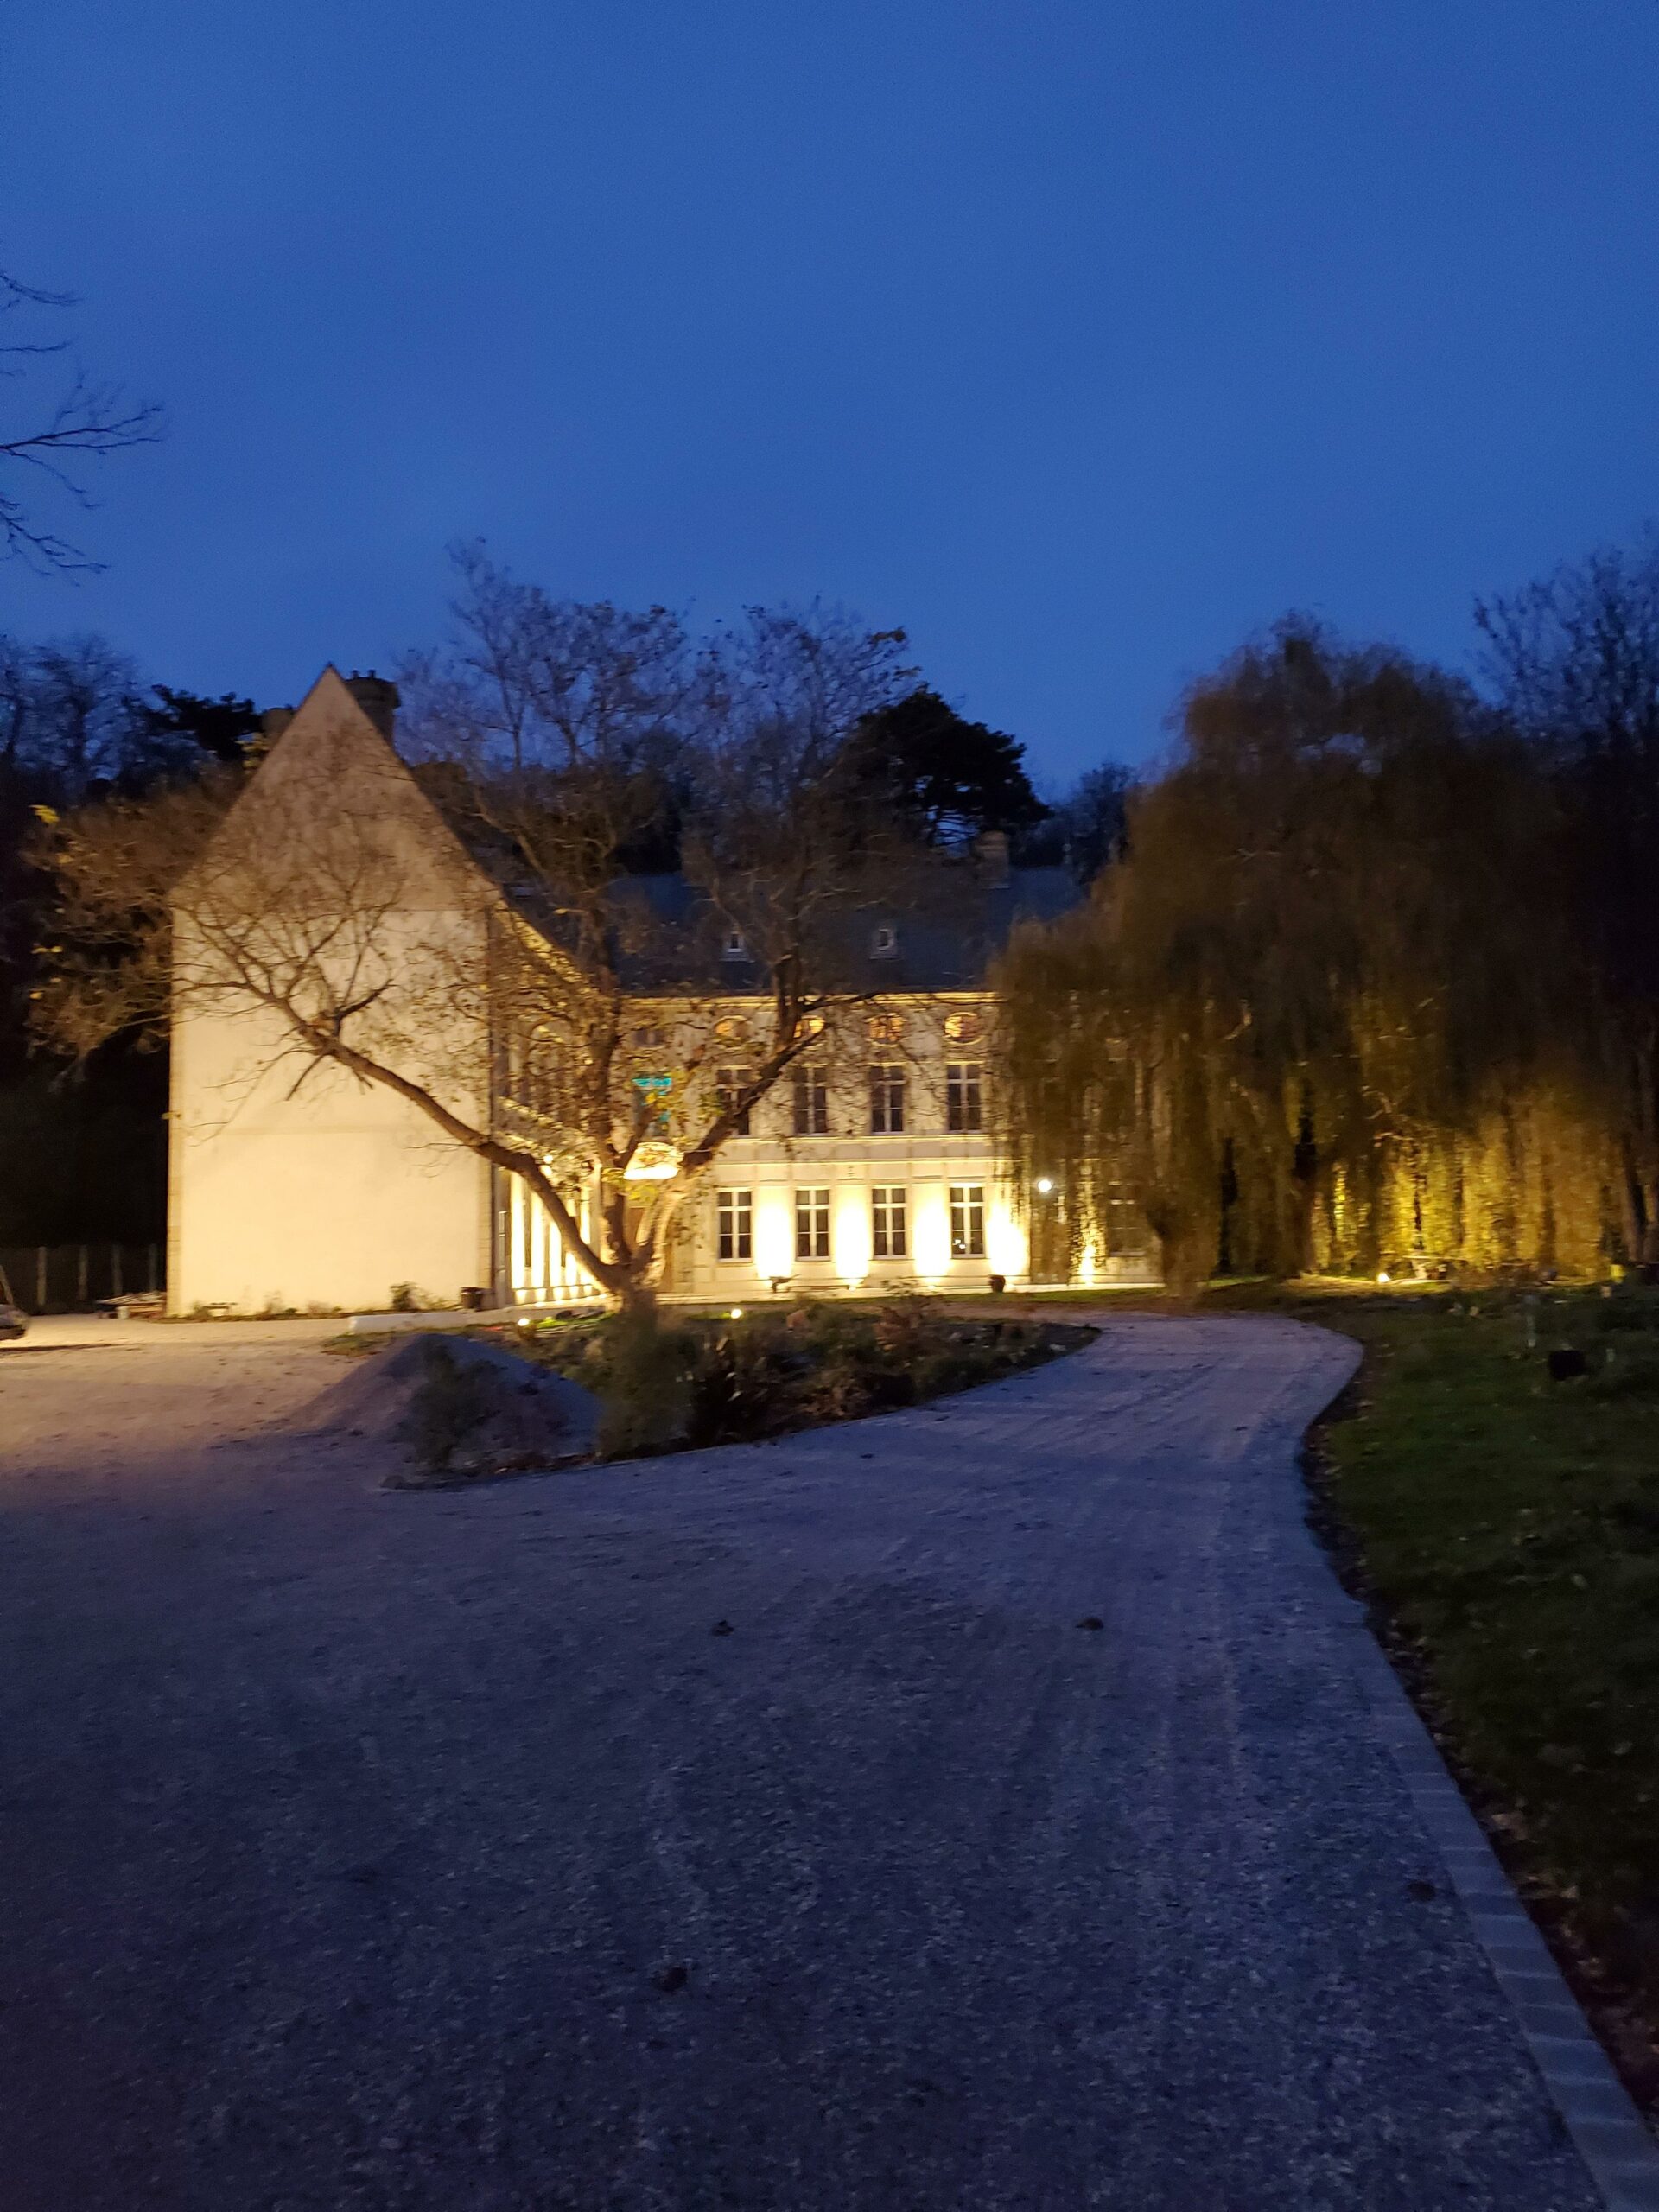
x=1322, y=1013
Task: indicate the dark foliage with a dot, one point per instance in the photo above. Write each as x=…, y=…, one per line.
x=953, y=780
x=736, y=1379
x=83, y=1148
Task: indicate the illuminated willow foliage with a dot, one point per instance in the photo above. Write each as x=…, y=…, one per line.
x=1322, y=1014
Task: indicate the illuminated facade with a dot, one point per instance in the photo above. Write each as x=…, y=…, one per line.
x=871, y=1166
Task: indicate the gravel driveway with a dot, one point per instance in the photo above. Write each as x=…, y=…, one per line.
x=383, y=1851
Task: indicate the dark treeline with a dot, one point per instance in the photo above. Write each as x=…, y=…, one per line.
x=1376, y=985
x=83, y=1149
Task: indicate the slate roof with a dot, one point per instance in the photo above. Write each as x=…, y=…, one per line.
x=947, y=945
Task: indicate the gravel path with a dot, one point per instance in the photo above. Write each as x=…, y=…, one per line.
x=374, y=1853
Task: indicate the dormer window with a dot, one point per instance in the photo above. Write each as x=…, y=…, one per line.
x=734, y=946
x=884, y=941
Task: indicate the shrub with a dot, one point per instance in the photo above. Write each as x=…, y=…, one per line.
x=743, y=1383
x=642, y=1377
x=956, y=1367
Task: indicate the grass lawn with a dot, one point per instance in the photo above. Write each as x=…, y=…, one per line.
x=1507, y=1526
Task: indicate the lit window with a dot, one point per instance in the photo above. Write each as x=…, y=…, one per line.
x=732, y=1030
x=885, y=1028
x=734, y=1213
x=812, y=1225
x=886, y=1100
x=735, y=945
x=729, y=1083
x=967, y=1221
x=963, y=1110
x=811, y=1103
x=888, y=1238
x=962, y=1027
x=884, y=941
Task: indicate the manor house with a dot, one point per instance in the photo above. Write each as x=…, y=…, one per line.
x=870, y=1166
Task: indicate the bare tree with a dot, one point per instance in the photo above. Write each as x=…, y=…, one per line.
x=469, y=935
x=1574, y=659
x=88, y=421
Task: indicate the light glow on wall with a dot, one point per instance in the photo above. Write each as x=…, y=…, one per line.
x=653, y=1162
x=1088, y=1264
x=850, y=1233
x=930, y=1234
x=1006, y=1250
x=774, y=1234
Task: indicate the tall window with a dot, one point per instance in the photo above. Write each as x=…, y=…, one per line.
x=963, y=1109
x=886, y=1100
x=811, y=1103
x=735, y=1217
x=887, y=1237
x=967, y=1221
x=812, y=1225
x=728, y=1086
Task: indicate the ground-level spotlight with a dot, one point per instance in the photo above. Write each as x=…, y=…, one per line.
x=1384, y=1277
x=737, y=1313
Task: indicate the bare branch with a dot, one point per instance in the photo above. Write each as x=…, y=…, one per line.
x=89, y=422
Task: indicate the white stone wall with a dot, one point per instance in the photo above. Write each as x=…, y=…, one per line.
x=328, y=1195
x=292, y=1183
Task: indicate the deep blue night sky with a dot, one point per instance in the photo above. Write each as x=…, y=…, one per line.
x=1079, y=338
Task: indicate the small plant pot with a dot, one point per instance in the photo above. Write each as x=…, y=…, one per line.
x=999, y=1283
x=472, y=1298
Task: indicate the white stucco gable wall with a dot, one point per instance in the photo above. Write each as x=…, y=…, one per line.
x=329, y=1191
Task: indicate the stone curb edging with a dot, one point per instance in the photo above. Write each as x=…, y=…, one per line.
x=1594, y=2104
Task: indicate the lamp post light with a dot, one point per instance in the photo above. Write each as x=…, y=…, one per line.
x=1045, y=1185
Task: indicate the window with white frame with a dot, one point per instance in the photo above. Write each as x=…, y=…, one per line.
x=812, y=1225
x=887, y=1099
x=811, y=1103
x=735, y=1220
x=733, y=945
x=888, y=1228
x=884, y=941
x=967, y=1221
x=729, y=1085
x=963, y=1089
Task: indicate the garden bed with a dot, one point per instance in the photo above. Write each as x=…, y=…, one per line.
x=701, y=1379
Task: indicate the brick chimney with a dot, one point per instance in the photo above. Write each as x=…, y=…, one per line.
x=377, y=696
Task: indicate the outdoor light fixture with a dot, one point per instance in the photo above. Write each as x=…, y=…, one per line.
x=1044, y=1184
x=1383, y=1276
x=653, y=1162
x=737, y=1313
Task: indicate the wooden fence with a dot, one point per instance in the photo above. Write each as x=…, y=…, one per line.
x=72, y=1278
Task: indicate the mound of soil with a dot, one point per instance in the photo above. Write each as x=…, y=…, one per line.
x=460, y=1409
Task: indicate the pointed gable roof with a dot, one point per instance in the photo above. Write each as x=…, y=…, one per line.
x=331, y=757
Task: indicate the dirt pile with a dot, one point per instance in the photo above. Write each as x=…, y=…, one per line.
x=460, y=1409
